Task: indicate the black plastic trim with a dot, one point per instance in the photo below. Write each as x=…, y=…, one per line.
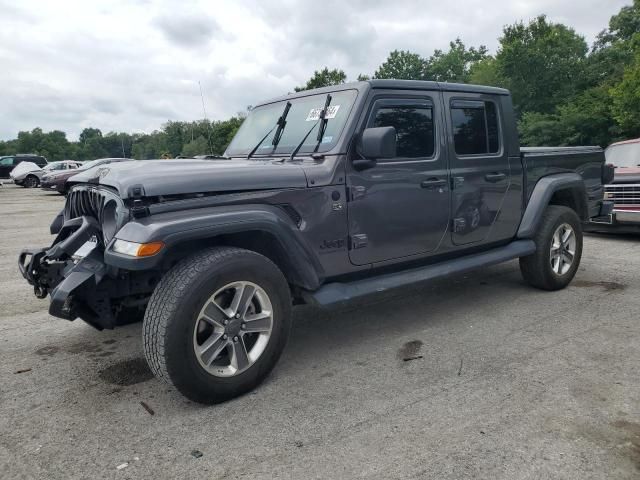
x=333, y=293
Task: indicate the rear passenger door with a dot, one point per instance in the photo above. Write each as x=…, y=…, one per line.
x=480, y=173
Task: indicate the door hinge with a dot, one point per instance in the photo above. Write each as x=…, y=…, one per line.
x=358, y=241
x=355, y=192
x=456, y=182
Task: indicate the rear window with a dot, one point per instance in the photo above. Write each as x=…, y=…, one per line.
x=475, y=126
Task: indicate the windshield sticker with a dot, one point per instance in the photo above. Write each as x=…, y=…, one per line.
x=314, y=114
x=327, y=139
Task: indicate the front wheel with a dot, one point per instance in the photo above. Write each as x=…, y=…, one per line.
x=217, y=323
x=558, y=250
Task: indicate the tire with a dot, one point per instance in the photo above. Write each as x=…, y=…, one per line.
x=553, y=272
x=31, y=181
x=176, y=332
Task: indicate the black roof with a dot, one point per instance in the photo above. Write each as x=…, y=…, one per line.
x=395, y=85
x=426, y=85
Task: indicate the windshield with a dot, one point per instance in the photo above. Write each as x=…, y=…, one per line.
x=624, y=154
x=92, y=163
x=53, y=166
x=302, y=115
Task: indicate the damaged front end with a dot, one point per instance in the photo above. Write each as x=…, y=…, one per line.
x=73, y=271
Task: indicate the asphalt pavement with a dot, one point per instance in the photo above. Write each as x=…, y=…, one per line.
x=475, y=376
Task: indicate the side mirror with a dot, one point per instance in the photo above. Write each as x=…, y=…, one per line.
x=379, y=142
x=375, y=143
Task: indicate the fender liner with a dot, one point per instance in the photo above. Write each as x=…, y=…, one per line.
x=542, y=194
x=174, y=228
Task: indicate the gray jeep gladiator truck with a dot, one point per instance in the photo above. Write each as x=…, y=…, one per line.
x=323, y=196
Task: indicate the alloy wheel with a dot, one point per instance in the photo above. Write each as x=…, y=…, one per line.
x=233, y=329
x=563, y=249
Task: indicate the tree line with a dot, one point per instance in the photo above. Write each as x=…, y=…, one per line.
x=565, y=92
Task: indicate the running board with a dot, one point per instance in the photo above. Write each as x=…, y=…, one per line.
x=332, y=293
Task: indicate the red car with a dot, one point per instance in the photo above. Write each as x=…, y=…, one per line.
x=624, y=190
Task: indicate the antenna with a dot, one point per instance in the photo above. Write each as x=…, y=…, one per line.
x=204, y=110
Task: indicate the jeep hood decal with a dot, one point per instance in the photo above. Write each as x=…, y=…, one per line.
x=178, y=177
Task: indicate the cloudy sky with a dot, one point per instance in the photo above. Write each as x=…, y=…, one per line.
x=130, y=65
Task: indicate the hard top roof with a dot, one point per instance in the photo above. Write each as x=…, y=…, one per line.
x=393, y=85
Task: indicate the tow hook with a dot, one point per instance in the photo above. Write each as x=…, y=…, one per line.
x=39, y=291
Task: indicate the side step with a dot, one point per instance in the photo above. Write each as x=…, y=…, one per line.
x=332, y=293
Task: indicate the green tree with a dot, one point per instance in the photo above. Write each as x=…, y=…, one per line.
x=89, y=133
x=487, y=72
x=324, y=78
x=585, y=120
x=542, y=63
x=456, y=64
x=623, y=26
x=403, y=65
x=626, y=100
x=197, y=146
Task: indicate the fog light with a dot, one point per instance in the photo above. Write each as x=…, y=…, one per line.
x=134, y=249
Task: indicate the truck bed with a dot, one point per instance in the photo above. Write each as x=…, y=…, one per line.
x=588, y=161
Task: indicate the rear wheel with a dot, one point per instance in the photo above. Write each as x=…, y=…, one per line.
x=31, y=181
x=558, y=250
x=217, y=323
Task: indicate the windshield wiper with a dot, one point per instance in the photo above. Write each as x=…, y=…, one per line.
x=280, y=124
x=323, y=124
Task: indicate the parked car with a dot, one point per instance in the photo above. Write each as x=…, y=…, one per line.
x=623, y=189
x=57, y=181
x=28, y=174
x=328, y=195
x=9, y=162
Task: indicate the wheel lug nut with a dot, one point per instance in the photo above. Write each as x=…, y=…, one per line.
x=226, y=322
x=235, y=339
x=243, y=326
x=224, y=337
x=237, y=315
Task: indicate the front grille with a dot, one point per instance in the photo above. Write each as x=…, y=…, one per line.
x=623, y=194
x=83, y=201
x=101, y=204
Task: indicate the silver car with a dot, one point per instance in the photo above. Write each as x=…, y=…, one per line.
x=29, y=174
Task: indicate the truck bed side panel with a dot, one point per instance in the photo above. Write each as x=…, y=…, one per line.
x=586, y=161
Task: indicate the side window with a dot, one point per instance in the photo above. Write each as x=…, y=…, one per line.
x=415, y=134
x=475, y=127
x=8, y=161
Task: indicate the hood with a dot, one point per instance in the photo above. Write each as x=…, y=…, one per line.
x=23, y=168
x=175, y=177
x=60, y=175
x=627, y=175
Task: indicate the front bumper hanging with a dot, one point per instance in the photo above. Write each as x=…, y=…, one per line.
x=71, y=283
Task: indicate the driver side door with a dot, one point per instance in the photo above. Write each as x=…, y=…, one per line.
x=400, y=207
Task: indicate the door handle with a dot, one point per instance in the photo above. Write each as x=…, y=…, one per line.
x=495, y=177
x=433, y=183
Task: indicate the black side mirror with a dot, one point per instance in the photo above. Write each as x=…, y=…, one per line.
x=376, y=143
x=379, y=142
